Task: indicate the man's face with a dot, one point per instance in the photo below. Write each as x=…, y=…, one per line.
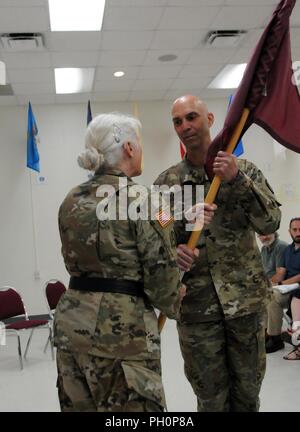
x=191, y=121
x=295, y=231
x=267, y=240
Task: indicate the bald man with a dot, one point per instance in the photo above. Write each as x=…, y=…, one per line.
x=221, y=328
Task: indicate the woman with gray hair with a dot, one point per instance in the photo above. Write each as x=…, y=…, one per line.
x=108, y=345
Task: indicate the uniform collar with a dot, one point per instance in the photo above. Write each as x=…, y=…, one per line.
x=192, y=173
x=106, y=170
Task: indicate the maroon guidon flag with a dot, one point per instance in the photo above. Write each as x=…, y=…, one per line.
x=268, y=89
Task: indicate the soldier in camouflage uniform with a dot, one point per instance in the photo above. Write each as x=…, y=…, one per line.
x=106, y=333
x=221, y=328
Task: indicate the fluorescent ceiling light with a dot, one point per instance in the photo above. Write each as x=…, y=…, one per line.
x=76, y=15
x=2, y=73
x=229, y=77
x=74, y=80
x=119, y=74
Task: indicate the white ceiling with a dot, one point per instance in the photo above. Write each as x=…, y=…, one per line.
x=135, y=33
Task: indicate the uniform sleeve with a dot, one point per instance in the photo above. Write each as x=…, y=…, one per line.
x=257, y=198
x=157, y=250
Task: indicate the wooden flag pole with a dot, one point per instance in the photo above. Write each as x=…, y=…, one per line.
x=212, y=193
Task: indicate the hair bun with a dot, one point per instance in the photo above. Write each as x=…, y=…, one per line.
x=90, y=160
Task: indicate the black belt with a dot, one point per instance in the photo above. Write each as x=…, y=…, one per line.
x=107, y=285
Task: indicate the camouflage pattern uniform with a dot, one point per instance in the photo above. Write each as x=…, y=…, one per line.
x=221, y=324
x=108, y=353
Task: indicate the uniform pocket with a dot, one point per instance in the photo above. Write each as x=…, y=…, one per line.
x=152, y=334
x=144, y=381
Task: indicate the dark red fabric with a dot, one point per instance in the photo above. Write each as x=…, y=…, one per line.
x=26, y=324
x=10, y=304
x=266, y=89
x=54, y=291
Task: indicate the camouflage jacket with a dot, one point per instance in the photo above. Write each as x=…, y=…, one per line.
x=108, y=324
x=227, y=278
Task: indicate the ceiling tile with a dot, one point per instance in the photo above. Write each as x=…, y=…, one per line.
x=106, y=73
x=74, y=59
x=157, y=72
x=27, y=60
x=22, y=19
x=184, y=39
x=33, y=88
x=147, y=95
x=73, y=41
x=13, y=3
x=137, y=3
x=121, y=58
x=251, y=2
x=158, y=84
x=188, y=18
x=153, y=55
x=129, y=40
x=132, y=18
x=194, y=71
x=114, y=85
x=31, y=75
x=241, y=17
x=242, y=55
x=196, y=2
x=111, y=96
x=183, y=83
x=211, y=55
x=252, y=37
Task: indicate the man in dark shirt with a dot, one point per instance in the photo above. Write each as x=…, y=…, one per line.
x=288, y=274
x=272, y=253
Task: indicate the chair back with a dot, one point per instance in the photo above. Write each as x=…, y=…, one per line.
x=54, y=289
x=11, y=303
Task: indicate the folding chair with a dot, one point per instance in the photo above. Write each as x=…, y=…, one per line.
x=12, y=309
x=53, y=290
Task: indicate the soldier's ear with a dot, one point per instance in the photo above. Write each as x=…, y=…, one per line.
x=128, y=148
x=211, y=119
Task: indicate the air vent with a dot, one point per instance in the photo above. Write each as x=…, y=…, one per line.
x=22, y=41
x=225, y=38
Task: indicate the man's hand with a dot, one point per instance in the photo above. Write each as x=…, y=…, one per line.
x=182, y=292
x=201, y=213
x=225, y=166
x=186, y=257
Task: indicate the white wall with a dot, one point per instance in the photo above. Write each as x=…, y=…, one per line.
x=61, y=130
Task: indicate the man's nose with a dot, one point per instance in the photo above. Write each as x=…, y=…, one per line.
x=186, y=125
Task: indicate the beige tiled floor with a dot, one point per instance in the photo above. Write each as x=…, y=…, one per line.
x=33, y=389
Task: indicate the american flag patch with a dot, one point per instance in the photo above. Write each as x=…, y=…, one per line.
x=164, y=218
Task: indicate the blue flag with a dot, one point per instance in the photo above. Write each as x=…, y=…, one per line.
x=239, y=150
x=89, y=113
x=33, y=157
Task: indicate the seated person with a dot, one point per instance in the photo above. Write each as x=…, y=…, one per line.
x=294, y=313
x=272, y=254
x=288, y=274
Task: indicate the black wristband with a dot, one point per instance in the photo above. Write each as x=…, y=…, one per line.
x=279, y=283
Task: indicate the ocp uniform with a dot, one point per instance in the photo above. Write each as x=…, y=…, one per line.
x=108, y=342
x=227, y=290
